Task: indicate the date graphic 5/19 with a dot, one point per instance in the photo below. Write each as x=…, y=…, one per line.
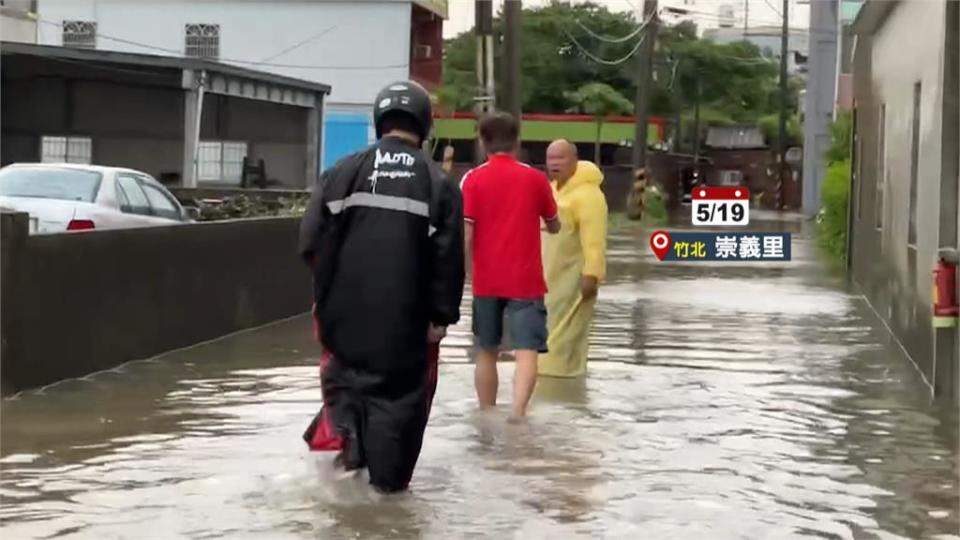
x=720, y=206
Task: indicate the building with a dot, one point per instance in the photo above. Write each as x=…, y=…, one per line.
x=848, y=10
x=768, y=39
x=538, y=130
x=18, y=20
x=733, y=14
x=355, y=46
x=904, y=193
x=178, y=119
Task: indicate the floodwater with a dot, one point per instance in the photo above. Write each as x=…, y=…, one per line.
x=723, y=401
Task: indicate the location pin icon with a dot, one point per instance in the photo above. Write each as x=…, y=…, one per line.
x=660, y=243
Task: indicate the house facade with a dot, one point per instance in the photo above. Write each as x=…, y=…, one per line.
x=355, y=46
x=904, y=193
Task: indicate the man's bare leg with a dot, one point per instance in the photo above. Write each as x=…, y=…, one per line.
x=524, y=380
x=485, y=378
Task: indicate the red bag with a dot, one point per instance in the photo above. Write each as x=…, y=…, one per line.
x=320, y=435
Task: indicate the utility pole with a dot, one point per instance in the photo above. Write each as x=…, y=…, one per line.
x=746, y=18
x=512, y=12
x=782, y=143
x=696, y=126
x=484, y=101
x=644, y=84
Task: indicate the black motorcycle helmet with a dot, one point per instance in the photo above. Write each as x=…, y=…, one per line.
x=408, y=97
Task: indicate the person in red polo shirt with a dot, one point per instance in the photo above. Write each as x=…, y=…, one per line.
x=504, y=202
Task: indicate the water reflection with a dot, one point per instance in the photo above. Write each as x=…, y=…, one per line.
x=726, y=401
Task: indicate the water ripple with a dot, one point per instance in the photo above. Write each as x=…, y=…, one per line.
x=722, y=402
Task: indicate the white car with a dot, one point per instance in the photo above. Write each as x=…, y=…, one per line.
x=69, y=197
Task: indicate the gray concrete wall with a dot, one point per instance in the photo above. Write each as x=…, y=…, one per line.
x=895, y=276
x=303, y=39
x=16, y=23
x=73, y=304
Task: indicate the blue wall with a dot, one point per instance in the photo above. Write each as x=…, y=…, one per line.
x=343, y=134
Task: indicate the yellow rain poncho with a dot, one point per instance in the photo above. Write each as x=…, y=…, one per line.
x=579, y=249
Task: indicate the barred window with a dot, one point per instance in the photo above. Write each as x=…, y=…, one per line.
x=202, y=40
x=80, y=34
x=221, y=161
x=66, y=149
x=54, y=149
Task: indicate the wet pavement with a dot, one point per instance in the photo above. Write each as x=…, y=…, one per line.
x=723, y=401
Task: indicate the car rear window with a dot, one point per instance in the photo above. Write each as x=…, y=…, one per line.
x=50, y=183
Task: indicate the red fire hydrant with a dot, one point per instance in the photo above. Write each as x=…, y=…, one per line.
x=945, y=308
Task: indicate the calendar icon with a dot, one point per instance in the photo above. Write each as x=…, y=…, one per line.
x=715, y=205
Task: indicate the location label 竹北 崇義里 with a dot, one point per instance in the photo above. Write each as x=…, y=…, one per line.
x=721, y=246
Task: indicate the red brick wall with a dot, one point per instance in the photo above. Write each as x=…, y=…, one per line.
x=426, y=29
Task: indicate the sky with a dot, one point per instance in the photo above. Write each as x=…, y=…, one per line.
x=761, y=12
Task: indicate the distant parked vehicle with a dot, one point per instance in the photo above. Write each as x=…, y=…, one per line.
x=69, y=197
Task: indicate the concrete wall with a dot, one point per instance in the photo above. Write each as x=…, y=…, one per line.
x=896, y=276
x=16, y=25
x=73, y=304
x=332, y=35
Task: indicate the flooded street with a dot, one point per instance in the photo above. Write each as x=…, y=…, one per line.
x=723, y=401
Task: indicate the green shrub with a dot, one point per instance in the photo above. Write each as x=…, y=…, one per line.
x=655, y=206
x=245, y=206
x=832, y=218
x=770, y=126
x=841, y=130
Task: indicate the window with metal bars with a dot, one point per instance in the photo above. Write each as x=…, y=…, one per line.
x=80, y=34
x=221, y=161
x=56, y=149
x=202, y=40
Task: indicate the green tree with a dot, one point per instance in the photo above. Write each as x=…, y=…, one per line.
x=600, y=101
x=770, y=126
x=835, y=196
x=562, y=45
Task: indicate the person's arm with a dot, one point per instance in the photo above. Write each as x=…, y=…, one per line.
x=447, y=242
x=313, y=221
x=469, y=195
x=592, y=220
x=548, y=206
x=468, y=244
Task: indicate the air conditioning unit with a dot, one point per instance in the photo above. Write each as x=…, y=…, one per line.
x=422, y=52
x=726, y=16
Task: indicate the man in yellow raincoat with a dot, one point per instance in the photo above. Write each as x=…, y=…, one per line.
x=574, y=260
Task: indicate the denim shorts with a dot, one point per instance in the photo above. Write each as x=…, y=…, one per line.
x=526, y=323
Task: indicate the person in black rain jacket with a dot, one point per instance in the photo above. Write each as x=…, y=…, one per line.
x=383, y=235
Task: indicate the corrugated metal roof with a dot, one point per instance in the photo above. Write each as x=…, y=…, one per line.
x=157, y=61
x=735, y=137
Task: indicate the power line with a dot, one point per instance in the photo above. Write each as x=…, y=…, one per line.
x=300, y=43
x=233, y=60
x=739, y=59
x=604, y=61
x=774, y=8
x=608, y=39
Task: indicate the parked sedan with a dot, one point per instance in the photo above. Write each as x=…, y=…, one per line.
x=69, y=197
